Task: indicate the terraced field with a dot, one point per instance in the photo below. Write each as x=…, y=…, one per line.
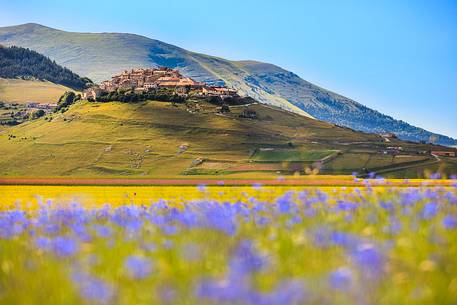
x=150, y=139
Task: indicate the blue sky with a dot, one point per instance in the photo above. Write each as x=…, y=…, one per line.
x=398, y=57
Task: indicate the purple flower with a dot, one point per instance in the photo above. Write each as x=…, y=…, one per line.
x=450, y=222
x=225, y=292
x=346, y=205
x=138, y=267
x=343, y=239
x=285, y=203
x=102, y=231
x=430, y=210
x=93, y=289
x=341, y=279
x=221, y=218
x=64, y=246
x=43, y=243
x=289, y=292
x=245, y=259
x=9, y=228
x=387, y=205
x=229, y=291
x=169, y=230
x=262, y=221
x=369, y=259
x=394, y=226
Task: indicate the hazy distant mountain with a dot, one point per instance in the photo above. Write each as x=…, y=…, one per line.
x=100, y=55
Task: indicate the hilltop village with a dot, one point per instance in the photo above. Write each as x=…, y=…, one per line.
x=148, y=79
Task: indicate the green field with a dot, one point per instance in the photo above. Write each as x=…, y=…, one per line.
x=22, y=91
x=158, y=139
x=278, y=155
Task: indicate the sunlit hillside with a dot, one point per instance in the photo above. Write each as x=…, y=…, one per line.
x=193, y=138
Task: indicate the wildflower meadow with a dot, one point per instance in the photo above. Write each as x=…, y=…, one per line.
x=305, y=246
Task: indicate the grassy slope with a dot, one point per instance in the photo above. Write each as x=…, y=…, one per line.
x=144, y=139
x=21, y=91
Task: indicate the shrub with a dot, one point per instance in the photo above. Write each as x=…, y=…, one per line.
x=67, y=99
x=38, y=114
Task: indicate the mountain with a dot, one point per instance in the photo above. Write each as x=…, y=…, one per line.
x=153, y=138
x=17, y=62
x=100, y=55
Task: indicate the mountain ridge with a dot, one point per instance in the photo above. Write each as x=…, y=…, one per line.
x=100, y=55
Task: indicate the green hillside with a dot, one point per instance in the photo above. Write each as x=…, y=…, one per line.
x=100, y=55
x=158, y=138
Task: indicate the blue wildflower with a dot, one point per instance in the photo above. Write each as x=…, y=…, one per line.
x=245, y=259
x=369, y=259
x=321, y=237
x=81, y=232
x=64, y=246
x=288, y=292
x=261, y=221
x=343, y=239
x=430, y=210
x=224, y=292
x=220, y=218
x=450, y=222
x=341, y=279
x=285, y=203
x=51, y=228
x=138, y=267
x=387, y=205
x=394, y=226
x=102, y=231
x=346, y=205
x=43, y=243
x=93, y=289
x=169, y=230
